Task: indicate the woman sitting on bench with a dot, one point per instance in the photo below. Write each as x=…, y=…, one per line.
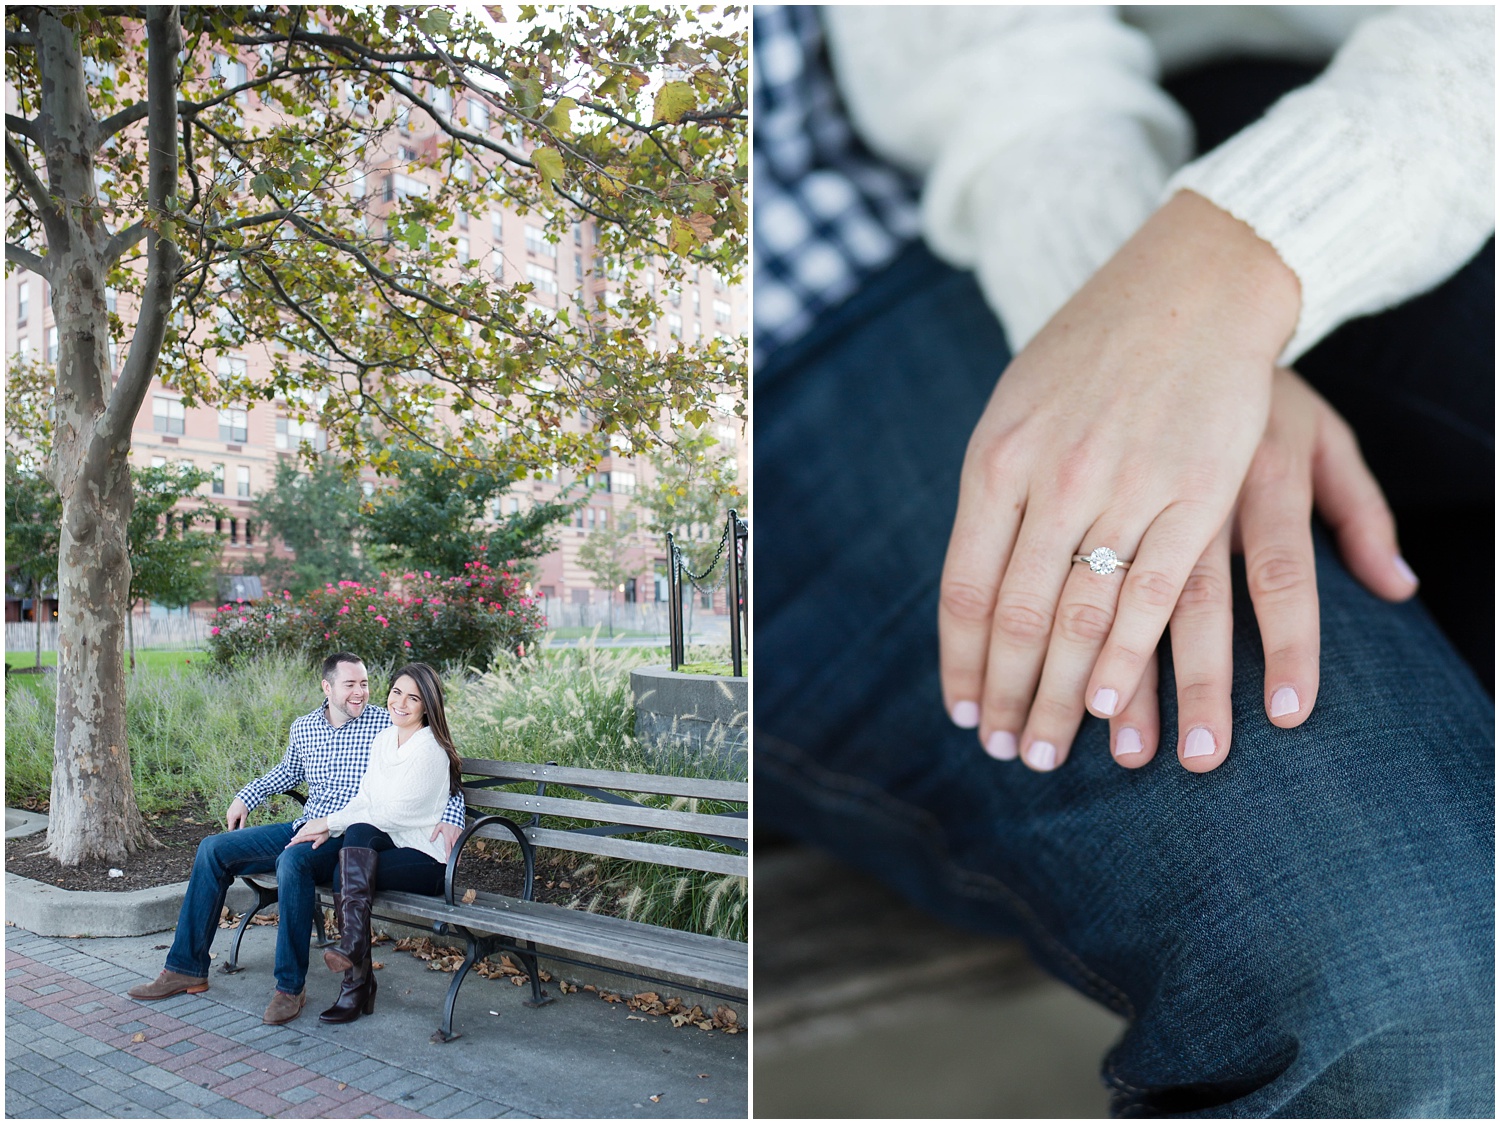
x=413, y=771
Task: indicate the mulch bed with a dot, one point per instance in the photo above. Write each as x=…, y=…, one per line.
x=180, y=833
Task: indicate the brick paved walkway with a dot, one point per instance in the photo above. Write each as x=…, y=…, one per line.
x=76, y=1046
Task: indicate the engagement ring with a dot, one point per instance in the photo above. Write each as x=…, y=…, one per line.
x=1102, y=561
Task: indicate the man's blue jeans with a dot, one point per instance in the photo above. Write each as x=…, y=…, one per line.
x=254, y=850
x=1307, y=931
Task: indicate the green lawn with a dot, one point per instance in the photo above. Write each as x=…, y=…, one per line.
x=579, y=633
x=151, y=659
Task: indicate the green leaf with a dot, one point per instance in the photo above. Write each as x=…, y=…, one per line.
x=683, y=55
x=416, y=235
x=549, y=163
x=261, y=185
x=722, y=46
x=559, y=119
x=681, y=238
x=673, y=100
x=436, y=21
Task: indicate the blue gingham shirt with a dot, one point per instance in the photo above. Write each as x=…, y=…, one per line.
x=331, y=760
x=828, y=213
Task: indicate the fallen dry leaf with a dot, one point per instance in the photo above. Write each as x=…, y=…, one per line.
x=636, y=1018
x=702, y=1100
x=376, y=964
x=703, y=1075
x=657, y=1097
x=469, y=895
x=138, y=1036
x=343, y=1085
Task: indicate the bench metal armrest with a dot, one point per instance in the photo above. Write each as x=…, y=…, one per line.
x=527, y=852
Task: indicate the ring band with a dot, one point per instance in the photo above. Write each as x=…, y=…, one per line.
x=1102, y=561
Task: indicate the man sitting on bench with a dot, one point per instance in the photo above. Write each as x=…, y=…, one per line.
x=329, y=750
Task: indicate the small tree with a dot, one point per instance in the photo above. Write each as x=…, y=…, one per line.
x=171, y=563
x=611, y=554
x=33, y=533
x=696, y=485
x=316, y=514
x=432, y=518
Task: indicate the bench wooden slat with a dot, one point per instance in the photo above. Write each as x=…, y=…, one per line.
x=524, y=771
x=685, y=858
x=691, y=955
x=662, y=819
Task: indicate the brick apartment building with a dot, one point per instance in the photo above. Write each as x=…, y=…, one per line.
x=241, y=445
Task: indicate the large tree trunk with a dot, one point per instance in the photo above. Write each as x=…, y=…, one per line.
x=93, y=810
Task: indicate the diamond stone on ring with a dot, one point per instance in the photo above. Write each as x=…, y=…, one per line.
x=1102, y=561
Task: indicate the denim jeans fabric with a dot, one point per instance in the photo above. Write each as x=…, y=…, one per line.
x=254, y=850
x=1306, y=931
x=399, y=868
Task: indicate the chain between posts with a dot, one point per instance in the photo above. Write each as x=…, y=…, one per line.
x=737, y=532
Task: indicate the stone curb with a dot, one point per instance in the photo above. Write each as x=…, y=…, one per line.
x=50, y=911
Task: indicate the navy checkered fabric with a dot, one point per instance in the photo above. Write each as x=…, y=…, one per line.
x=827, y=212
x=330, y=761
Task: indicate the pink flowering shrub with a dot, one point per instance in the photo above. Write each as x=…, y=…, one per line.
x=467, y=618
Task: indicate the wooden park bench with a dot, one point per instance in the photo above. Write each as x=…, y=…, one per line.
x=596, y=816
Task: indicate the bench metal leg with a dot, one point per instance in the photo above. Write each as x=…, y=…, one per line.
x=539, y=997
x=322, y=941
x=477, y=948
x=265, y=895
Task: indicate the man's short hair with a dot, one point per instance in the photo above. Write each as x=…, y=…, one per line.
x=331, y=664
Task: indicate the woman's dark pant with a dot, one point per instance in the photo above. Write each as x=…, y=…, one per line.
x=399, y=868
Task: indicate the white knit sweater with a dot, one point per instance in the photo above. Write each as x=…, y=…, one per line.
x=403, y=792
x=1045, y=141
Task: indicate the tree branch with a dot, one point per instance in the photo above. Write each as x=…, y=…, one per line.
x=123, y=240
x=21, y=167
x=25, y=126
x=163, y=37
x=27, y=260
x=117, y=121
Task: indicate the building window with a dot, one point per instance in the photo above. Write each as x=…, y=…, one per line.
x=497, y=265
x=216, y=483
x=720, y=285
x=114, y=356
x=578, y=234
x=544, y=279
x=463, y=249
x=23, y=347
x=234, y=425
x=621, y=482
x=578, y=267
x=242, y=483
x=706, y=598
x=23, y=301
x=512, y=506
x=497, y=226
x=52, y=345
x=442, y=101
x=249, y=533
x=589, y=519
x=536, y=242
x=367, y=489
x=479, y=115
x=721, y=312
x=398, y=186
x=111, y=300
x=234, y=532
x=674, y=325
x=167, y=415
x=463, y=219
x=158, y=462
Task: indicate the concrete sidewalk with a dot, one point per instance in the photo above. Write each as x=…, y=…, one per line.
x=77, y=1046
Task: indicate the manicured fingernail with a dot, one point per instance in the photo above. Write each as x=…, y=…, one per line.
x=1001, y=746
x=1128, y=742
x=1284, y=701
x=1042, y=755
x=1105, y=701
x=966, y=715
x=1404, y=570
x=1200, y=743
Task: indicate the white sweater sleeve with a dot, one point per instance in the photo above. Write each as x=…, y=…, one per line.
x=1041, y=131
x=405, y=795
x=1376, y=181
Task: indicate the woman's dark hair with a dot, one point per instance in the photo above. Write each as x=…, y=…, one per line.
x=430, y=687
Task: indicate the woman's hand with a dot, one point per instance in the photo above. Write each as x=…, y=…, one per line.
x=313, y=831
x=1308, y=455
x=1128, y=422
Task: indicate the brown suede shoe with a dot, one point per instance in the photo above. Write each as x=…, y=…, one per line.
x=167, y=984
x=284, y=1008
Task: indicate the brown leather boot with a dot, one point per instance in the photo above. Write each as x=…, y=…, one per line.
x=283, y=1008
x=356, y=996
x=168, y=984
x=357, y=866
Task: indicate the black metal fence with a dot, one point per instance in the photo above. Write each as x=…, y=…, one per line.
x=733, y=550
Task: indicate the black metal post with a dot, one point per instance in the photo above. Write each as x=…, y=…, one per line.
x=674, y=605
x=732, y=592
